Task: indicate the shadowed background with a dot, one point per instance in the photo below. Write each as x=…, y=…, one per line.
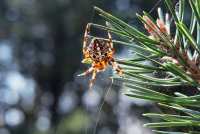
x=40, y=57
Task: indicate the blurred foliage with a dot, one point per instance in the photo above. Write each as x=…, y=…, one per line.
x=166, y=66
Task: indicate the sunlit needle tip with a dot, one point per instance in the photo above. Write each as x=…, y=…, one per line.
x=80, y=74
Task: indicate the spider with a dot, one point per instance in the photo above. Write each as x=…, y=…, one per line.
x=99, y=53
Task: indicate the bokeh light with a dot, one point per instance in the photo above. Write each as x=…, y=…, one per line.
x=14, y=117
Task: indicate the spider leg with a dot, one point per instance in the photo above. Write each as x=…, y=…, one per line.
x=116, y=67
x=87, y=71
x=85, y=38
x=110, y=40
x=93, y=78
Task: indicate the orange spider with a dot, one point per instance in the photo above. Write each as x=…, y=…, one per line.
x=99, y=53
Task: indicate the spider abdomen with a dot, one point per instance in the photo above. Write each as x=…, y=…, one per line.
x=99, y=50
x=99, y=53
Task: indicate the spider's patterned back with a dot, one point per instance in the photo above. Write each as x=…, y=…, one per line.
x=99, y=50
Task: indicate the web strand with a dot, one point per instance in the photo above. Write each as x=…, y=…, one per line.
x=155, y=6
x=101, y=106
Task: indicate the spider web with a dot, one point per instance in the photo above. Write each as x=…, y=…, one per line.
x=106, y=94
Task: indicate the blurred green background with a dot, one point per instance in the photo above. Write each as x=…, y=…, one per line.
x=40, y=57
